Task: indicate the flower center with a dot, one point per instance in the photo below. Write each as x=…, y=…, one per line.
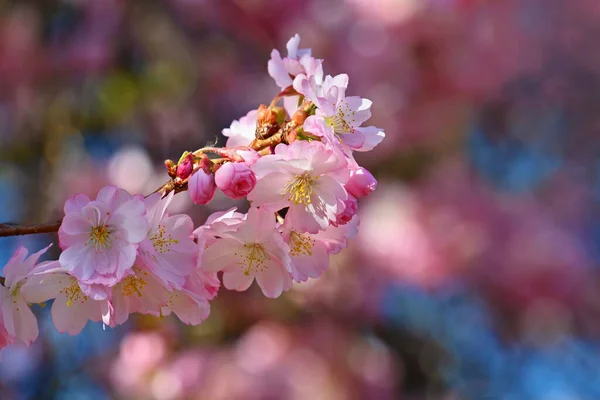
x=301, y=244
x=340, y=122
x=161, y=241
x=299, y=190
x=100, y=236
x=73, y=293
x=133, y=285
x=253, y=258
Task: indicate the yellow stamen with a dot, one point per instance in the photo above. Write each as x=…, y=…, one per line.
x=299, y=190
x=343, y=121
x=301, y=244
x=100, y=236
x=161, y=241
x=73, y=293
x=133, y=285
x=253, y=258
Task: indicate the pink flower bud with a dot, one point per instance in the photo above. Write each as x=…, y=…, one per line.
x=201, y=187
x=236, y=180
x=185, y=167
x=361, y=183
x=349, y=211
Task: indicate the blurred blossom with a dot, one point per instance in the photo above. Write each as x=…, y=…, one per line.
x=386, y=11
x=127, y=164
x=475, y=273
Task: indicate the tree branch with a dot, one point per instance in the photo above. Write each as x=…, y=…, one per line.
x=17, y=230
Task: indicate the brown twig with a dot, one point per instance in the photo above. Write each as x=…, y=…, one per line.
x=18, y=230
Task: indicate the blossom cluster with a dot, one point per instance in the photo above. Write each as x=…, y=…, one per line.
x=124, y=254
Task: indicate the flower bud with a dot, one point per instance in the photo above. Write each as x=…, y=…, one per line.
x=185, y=167
x=349, y=211
x=266, y=116
x=361, y=182
x=201, y=187
x=236, y=180
x=171, y=168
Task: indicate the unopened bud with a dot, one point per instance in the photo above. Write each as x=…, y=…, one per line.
x=236, y=180
x=361, y=182
x=185, y=167
x=266, y=116
x=171, y=168
x=350, y=209
x=201, y=187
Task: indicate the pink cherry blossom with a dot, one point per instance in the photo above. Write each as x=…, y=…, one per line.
x=191, y=303
x=71, y=309
x=99, y=238
x=310, y=252
x=140, y=291
x=18, y=320
x=341, y=114
x=297, y=62
x=217, y=224
x=307, y=177
x=241, y=132
x=249, y=155
x=201, y=187
x=340, y=122
x=254, y=250
x=236, y=180
x=168, y=250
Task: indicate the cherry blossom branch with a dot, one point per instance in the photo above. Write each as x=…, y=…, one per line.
x=270, y=131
